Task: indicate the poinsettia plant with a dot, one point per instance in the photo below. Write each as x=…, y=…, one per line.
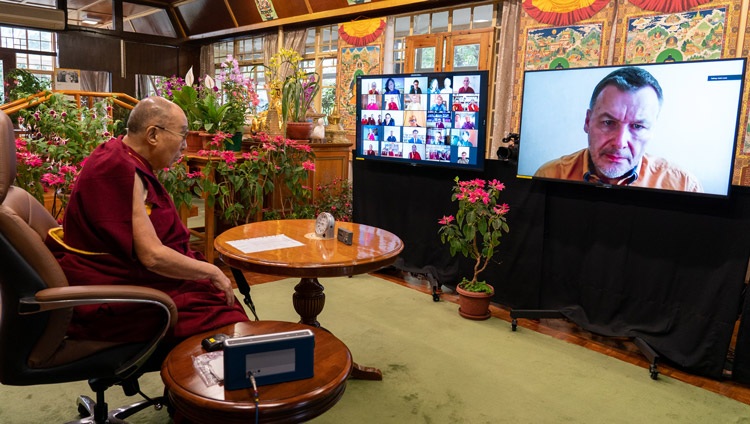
x=57, y=137
x=241, y=181
x=476, y=229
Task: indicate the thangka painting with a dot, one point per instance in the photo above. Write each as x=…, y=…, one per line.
x=573, y=46
x=584, y=43
x=353, y=62
x=266, y=9
x=676, y=37
x=742, y=158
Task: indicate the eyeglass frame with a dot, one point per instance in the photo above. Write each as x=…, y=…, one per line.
x=183, y=137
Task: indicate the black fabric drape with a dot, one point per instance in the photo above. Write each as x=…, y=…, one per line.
x=668, y=268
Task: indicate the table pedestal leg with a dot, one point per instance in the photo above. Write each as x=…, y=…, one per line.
x=308, y=300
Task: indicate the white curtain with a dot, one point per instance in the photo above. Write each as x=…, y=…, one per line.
x=99, y=81
x=206, y=61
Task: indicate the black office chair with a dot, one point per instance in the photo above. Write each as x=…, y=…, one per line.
x=37, y=305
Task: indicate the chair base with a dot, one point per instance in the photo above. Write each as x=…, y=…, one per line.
x=87, y=408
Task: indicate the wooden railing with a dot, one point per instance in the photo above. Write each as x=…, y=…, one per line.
x=120, y=99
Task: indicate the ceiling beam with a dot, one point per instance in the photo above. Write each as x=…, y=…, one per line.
x=357, y=10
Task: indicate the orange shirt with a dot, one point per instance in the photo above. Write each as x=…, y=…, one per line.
x=653, y=172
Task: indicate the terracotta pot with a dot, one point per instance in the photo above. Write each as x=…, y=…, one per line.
x=298, y=130
x=474, y=305
x=194, y=142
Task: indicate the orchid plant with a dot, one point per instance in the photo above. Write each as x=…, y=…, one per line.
x=291, y=84
x=476, y=229
x=239, y=93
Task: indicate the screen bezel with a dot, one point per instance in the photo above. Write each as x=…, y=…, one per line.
x=566, y=81
x=478, y=136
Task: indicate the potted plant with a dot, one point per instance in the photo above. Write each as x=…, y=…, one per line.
x=295, y=89
x=57, y=137
x=475, y=232
x=239, y=95
x=184, y=94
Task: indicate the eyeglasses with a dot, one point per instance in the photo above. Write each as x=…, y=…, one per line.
x=183, y=136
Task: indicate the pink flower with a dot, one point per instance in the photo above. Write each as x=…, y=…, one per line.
x=497, y=185
x=501, y=209
x=52, y=180
x=446, y=220
x=228, y=156
x=308, y=165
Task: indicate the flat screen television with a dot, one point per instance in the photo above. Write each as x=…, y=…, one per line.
x=431, y=119
x=689, y=139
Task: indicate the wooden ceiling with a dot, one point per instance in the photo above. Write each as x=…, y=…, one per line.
x=214, y=19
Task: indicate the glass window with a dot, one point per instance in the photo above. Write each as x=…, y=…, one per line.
x=483, y=16
x=439, y=22
x=310, y=41
x=402, y=26
x=328, y=85
x=421, y=24
x=330, y=39
x=466, y=57
x=461, y=19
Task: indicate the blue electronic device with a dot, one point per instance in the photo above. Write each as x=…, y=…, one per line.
x=271, y=358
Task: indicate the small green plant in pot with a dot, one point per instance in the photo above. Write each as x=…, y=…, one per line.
x=475, y=231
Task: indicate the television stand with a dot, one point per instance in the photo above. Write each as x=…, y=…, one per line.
x=645, y=349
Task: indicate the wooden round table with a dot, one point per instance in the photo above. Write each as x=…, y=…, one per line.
x=293, y=401
x=372, y=249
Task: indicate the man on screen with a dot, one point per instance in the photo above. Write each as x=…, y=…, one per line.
x=623, y=111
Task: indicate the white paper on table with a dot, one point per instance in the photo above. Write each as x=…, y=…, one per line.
x=260, y=244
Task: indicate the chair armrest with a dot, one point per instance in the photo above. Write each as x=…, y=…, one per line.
x=71, y=296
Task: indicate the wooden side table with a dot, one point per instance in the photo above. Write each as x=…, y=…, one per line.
x=371, y=249
x=289, y=402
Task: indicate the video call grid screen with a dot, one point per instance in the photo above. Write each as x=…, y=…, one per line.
x=431, y=118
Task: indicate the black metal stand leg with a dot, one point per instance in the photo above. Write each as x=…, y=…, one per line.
x=650, y=355
x=532, y=314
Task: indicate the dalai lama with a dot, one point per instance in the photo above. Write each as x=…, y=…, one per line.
x=121, y=227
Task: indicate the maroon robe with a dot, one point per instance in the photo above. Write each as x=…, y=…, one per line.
x=99, y=219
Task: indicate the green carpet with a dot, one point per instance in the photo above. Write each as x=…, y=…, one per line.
x=440, y=368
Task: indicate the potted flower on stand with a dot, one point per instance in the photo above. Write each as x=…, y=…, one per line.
x=239, y=96
x=296, y=89
x=475, y=232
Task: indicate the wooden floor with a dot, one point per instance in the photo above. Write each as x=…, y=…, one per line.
x=619, y=348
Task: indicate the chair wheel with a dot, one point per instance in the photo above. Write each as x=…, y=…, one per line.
x=653, y=371
x=513, y=324
x=82, y=412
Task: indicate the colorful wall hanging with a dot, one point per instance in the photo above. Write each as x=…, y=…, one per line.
x=668, y=6
x=266, y=9
x=677, y=37
x=361, y=33
x=539, y=48
x=353, y=62
x=572, y=46
x=562, y=12
x=742, y=157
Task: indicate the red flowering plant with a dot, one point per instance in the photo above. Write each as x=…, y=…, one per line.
x=240, y=182
x=476, y=229
x=57, y=138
